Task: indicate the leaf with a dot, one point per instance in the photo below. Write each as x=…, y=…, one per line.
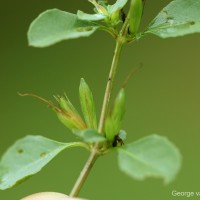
x=90, y=135
x=178, y=18
x=152, y=156
x=27, y=157
x=117, y=6
x=90, y=17
x=54, y=25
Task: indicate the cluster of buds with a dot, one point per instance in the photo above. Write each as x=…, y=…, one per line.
x=86, y=126
x=113, y=12
x=70, y=117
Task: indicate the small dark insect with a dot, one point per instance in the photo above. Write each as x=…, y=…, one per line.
x=117, y=141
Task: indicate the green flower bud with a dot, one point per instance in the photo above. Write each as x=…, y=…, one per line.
x=68, y=115
x=115, y=17
x=66, y=105
x=99, y=8
x=87, y=105
x=119, y=109
x=113, y=122
x=110, y=129
x=135, y=11
x=71, y=121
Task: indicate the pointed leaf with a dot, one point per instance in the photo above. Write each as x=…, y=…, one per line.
x=180, y=17
x=54, y=25
x=152, y=156
x=90, y=135
x=27, y=157
x=90, y=17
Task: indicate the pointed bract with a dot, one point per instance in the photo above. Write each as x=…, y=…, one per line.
x=87, y=105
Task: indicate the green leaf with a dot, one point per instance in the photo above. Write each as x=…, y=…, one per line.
x=117, y=6
x=54, y=25
x=178, y=18
x=152, y=156
x=90, y=17
x=27, y=157
x=90, y=135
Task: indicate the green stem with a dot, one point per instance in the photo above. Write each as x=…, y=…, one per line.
x=110, y=82
x=94, y=154
x=84, y=174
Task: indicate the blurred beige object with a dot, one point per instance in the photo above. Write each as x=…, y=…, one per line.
x=49, y=196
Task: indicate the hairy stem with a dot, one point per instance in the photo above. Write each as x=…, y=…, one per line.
x=94, y=154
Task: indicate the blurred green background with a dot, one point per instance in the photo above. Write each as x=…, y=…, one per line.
x=163, y=97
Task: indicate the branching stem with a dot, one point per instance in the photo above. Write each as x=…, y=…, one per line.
x=94, y=154
x=120, y=40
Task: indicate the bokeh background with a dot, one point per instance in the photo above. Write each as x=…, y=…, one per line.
x=163, y=98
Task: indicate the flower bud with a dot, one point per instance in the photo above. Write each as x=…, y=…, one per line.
x=110, y=129
x=135, y=11
x=72, y=121
x=113, y=122
x=66, y=105
x=115, y=17
x=119, y=107
x=99, y=8
x=68, y=115
x=87, y=105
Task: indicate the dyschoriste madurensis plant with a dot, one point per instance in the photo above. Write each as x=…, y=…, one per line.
x=151, y=156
